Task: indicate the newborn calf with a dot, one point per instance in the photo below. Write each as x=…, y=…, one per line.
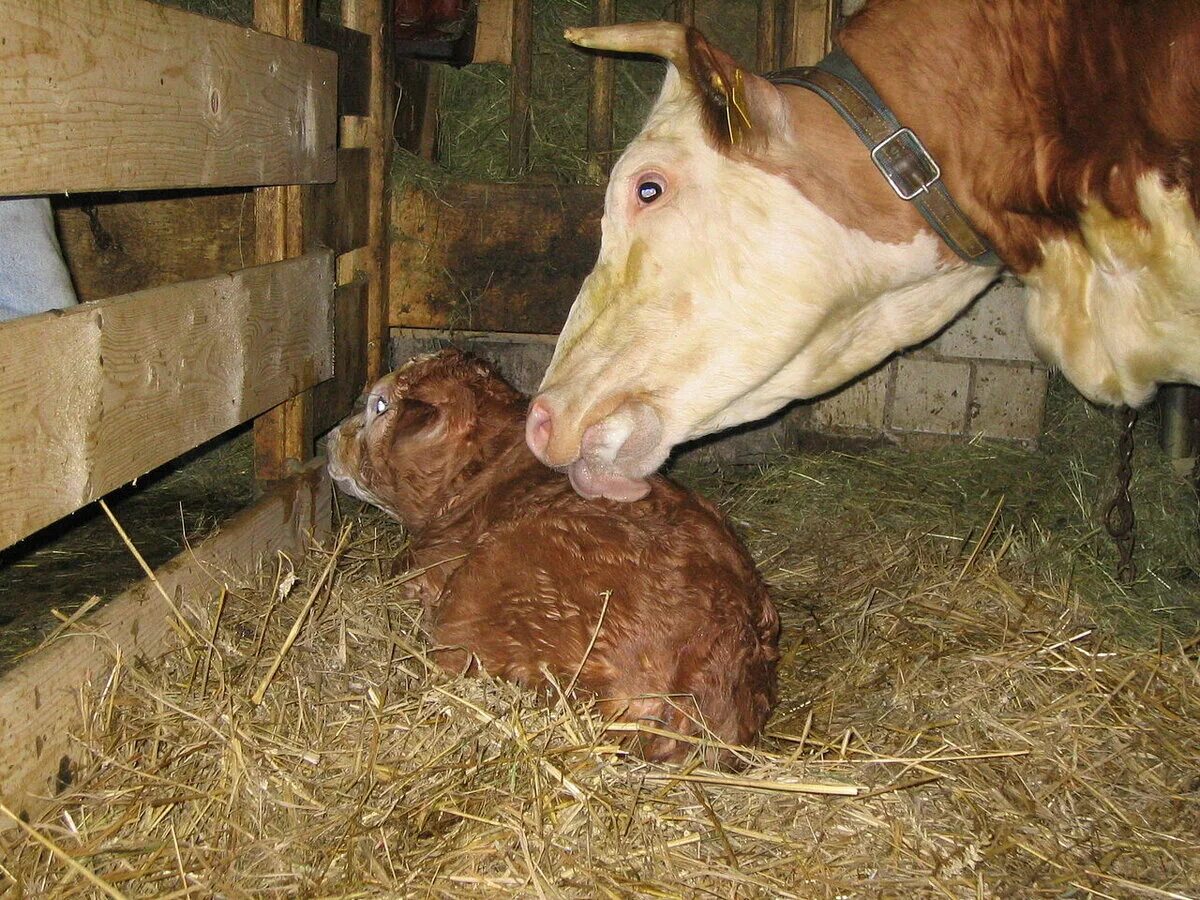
x=653, y=608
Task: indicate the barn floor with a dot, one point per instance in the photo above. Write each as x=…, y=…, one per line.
x=993, y=716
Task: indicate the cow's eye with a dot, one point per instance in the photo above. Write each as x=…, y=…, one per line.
x=649, y=190
x=379, y=405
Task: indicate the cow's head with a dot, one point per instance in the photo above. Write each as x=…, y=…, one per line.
x=734, y=273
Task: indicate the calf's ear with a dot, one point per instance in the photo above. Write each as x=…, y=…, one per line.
x=412, y=418
x=740, y=110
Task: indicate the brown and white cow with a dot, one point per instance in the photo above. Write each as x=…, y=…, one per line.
x=741, y=268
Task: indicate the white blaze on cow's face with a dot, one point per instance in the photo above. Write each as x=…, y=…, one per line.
x=720, y=294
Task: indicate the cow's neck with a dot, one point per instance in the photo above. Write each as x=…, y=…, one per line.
x=1033, y=108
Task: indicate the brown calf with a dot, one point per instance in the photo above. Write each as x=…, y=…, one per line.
x=654, y=609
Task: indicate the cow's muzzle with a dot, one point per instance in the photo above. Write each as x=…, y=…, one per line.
x=610, y=458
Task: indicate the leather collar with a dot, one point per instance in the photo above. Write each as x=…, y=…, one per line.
x=897, y=152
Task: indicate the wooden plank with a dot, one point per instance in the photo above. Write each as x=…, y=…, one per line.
x=685, y=12
x=493, y=257
x=600, y=101
x=125, y=94
x=354, y=63
x=807, y=31
x=93, y=397
x=767, y=47
x=39, y=706
x=415, y=122
x=117, y=244
x=337, y=215
x=283, y=437
x=520, y=87
x=493, y=32
x=374, y=132
x=1179, y=421
x=334, y=399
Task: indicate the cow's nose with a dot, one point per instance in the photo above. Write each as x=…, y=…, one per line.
x=539, y=428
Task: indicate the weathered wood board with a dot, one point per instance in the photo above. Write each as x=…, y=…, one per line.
x=39, y=706
x=130, y=95
x=492, y=257
x=415, y=124
x=354, y=63
x=117, y=244
x=93, y=397
x=493, y=32
x=337, y=215
x=333, y=399
x=807, y=30
x=373, y=131
x=283, y=436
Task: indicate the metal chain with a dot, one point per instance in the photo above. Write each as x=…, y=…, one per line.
x=1118, y=512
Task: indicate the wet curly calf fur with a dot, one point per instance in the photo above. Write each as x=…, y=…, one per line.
x=521, y=573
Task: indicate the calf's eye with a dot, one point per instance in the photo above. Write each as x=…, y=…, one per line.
x=380, y=406
x=648, y=191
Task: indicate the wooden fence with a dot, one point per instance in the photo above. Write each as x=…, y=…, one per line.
x=286, y=129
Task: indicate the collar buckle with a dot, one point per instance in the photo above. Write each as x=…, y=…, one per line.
x=903, y=160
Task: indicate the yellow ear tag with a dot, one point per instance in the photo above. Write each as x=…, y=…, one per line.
x=736, y=117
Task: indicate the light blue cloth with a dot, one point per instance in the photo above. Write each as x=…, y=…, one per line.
x=33, y=276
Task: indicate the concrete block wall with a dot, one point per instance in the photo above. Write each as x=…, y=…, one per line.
x=978, y=377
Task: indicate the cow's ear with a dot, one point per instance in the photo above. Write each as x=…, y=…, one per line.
x=739, y=108
x=730, y=96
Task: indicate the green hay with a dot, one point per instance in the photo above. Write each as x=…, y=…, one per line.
x=474, y=103
x=829, y=502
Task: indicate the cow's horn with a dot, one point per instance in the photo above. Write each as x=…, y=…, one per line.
x=665, y=39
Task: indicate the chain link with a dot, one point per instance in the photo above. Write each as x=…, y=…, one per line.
x=1118, y=512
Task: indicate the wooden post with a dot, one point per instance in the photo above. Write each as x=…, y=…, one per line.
x=521, y=87
x=283, y=437
x=767, y=50
x=685, y=12
x=427, y=147
x=493, y=32
x=600, y=105
x=374, y=132
x=807, y=31
x=1179, y=420
x=415, y=125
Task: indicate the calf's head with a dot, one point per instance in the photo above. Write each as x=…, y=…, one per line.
x=427, y=428
x=726, y=285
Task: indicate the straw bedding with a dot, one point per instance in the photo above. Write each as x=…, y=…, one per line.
x=950, y=725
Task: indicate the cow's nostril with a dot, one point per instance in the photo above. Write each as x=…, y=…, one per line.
x=538, y=428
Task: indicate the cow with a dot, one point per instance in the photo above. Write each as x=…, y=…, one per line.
x=655, y=609
x=752, y=254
